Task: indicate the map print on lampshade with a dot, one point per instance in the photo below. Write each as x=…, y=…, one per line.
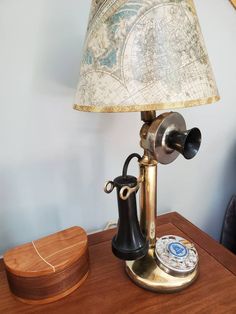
x=144, y=55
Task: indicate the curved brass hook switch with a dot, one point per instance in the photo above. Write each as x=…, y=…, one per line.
x=126, y=190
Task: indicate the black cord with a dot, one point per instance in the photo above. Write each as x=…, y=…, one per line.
x=127, y=161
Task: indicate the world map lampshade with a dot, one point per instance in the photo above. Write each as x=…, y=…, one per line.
x=144, y=55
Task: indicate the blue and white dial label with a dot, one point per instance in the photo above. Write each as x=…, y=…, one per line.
x=177, y=249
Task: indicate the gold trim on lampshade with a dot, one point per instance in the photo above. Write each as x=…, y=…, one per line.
x=144, y=55
x=233, y=3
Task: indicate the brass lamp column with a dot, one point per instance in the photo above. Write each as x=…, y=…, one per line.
x=148, y=188
x=143, y=56
x=148, y=198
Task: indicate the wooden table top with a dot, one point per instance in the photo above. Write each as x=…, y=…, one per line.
x=109, y=290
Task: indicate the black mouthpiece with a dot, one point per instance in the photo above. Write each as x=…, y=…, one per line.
x=186, y=143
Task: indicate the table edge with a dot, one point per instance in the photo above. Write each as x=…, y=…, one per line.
x=211, y=246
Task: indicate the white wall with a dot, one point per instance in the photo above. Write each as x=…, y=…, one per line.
x=54, y=160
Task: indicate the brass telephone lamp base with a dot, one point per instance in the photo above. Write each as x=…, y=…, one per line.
x=146, y=273
x=169, y=263
x=163, y=269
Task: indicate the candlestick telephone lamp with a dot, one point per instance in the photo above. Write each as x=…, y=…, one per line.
x=144, y=56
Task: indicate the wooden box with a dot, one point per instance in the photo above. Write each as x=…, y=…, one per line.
x=50, y=268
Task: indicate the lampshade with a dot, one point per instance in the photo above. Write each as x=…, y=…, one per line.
x=144, y=55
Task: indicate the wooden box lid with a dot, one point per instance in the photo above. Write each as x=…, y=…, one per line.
x=53, y=257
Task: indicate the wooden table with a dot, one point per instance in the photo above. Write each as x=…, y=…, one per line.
x=109, y=290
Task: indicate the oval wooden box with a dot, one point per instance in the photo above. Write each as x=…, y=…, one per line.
x=50, y=268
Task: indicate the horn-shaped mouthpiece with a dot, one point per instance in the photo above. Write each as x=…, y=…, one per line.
x=186, y=142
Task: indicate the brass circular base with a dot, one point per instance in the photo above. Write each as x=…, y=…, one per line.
x=146, y=273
